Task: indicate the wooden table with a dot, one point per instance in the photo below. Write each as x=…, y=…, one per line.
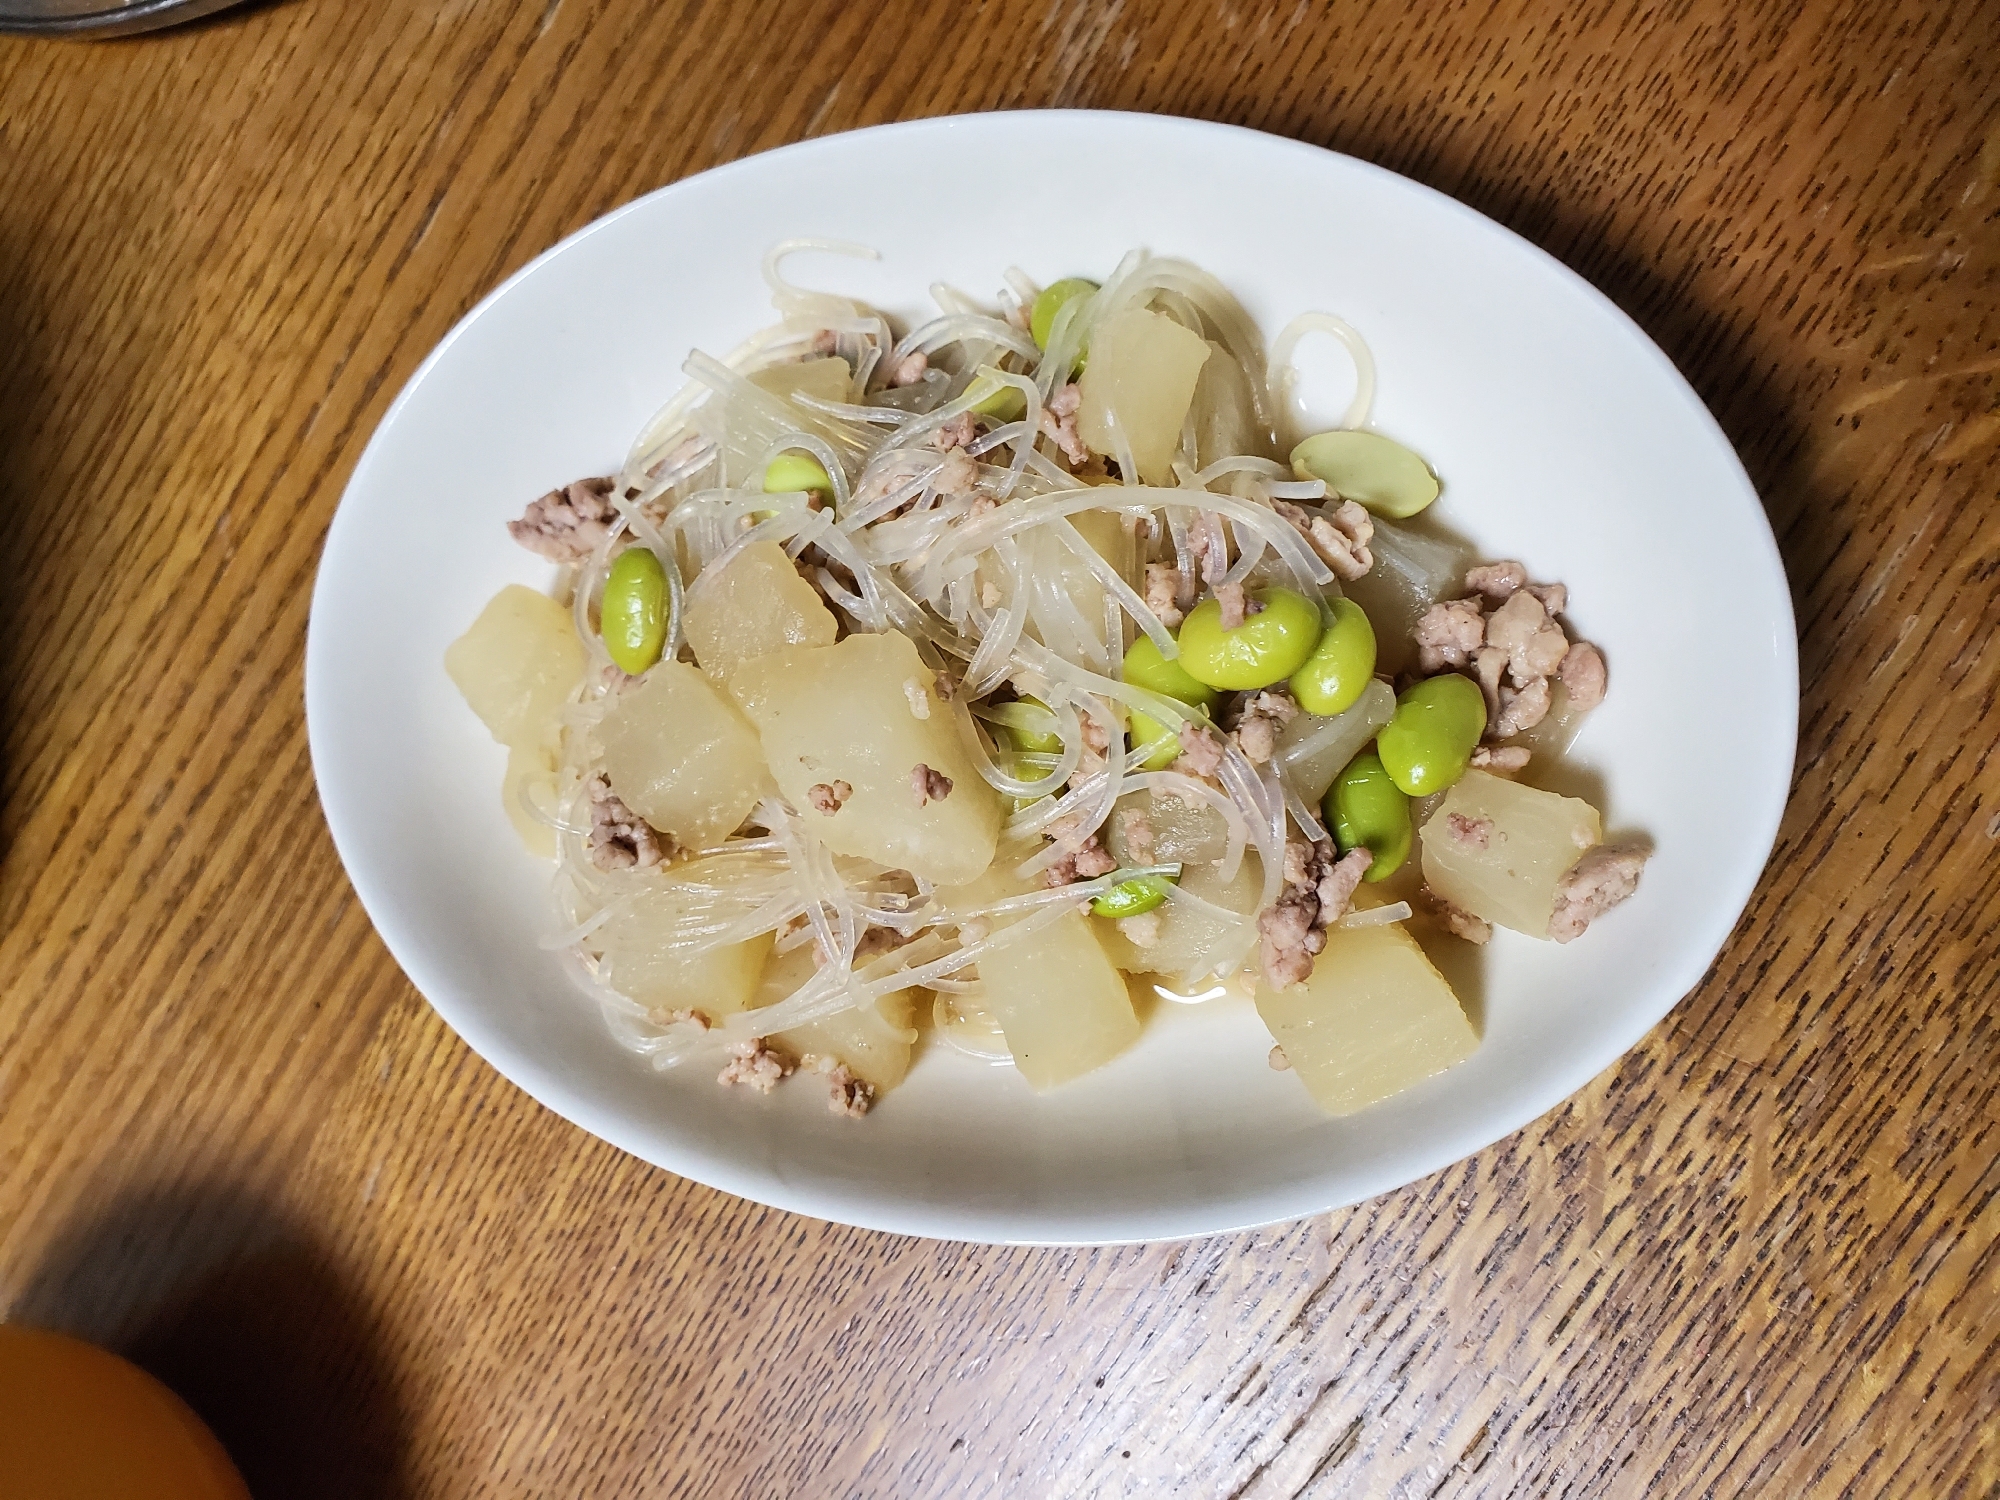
x=1756, y=1257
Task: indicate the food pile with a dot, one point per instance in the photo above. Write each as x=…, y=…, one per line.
x=975, y=680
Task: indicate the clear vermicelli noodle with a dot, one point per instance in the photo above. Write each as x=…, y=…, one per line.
x=993, y=667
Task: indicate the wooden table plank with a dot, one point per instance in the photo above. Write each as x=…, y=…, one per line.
x=1757, y=1256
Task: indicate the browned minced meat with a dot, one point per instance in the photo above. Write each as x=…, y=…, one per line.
x=957, y=475
x=827, y=796
x=1237, y=605
x=928, y=785
x=1554, y=596
x=957, y=432
x=1167, y=594
x=1498, y=581
x=945, y=686
x=1340, y=535
x=755, y=1065
x=825, y=342
x=1521, y=708
x=1278, y=1061
x=1605, y=876
x=1059, y=422
x=846, y=1094
x=1457, y=919
x=1318, y=888
x=911, y=370
x=1209, y=547
x=1096, y=743
x=1201, y=749
x=695, y=1018
x=1448, y=633
x=891, y=473
x=1084, y=856
x=1582, y=676
x=1489, y=665
x=568, y=524
x=1500, y=757
x=1142, y=931
x=1535, y=644
x=1137, y=830
x=1474, y=833
x=1263, y=714
x=619, y=838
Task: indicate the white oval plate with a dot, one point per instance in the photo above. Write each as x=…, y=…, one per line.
x=1564, y=436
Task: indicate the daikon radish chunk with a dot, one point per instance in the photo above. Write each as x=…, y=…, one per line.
x=822, y=379
x=1374, y=1018
x=1413, y=570
x=639, y=942
x=1225, y=415
x=682, y=756
x=517, y=665
x=1188, y=938
x=1497, y=849
x=1181, y=830
x=864, y=711
x=531, y=773
x=873, y=1042
x=1061, y=1004
x=1139, y=384
x=1312, y=750
x=754, y=605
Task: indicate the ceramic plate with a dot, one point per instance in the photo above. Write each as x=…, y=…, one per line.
x=1565, y=438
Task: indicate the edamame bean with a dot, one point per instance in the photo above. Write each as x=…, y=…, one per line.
x=1030, y=724
x=1382, y=475
x=633, y=612
x=1341, y=664
x=1131, y=898
x=791, y=472
x=1054, y=297
x=1437, y=726
x=1148, y=669
x=1004, y=403
x=1366, y=810
x=1267, y=647
x=1154, y=745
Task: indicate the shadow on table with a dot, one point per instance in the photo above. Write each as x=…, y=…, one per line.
x=247, y=1320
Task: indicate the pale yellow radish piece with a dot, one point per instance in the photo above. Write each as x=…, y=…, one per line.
x=1061, y=1004
x=1374, y=1018
x=639, y=942
x=873, y=1042
x=865, y=711
x=754, y=605
x=531, y=774
x=1497, y=848
x=1225, y=413
x=1187, y=938
x=682, y=756
x=1139, y=384
x=517, y=665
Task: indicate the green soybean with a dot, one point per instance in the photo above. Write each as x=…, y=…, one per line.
x=1145, y=667
x=1437, y=726
x=1154, y=745
x=1131, y=898
x=633, y=612
x=1382, y=475
x=1267, y=647
x=1055, y=297
x=1367, y=810
x=1004, y=403
x=1341, y=664
x=790, y=472
x=1030, y=724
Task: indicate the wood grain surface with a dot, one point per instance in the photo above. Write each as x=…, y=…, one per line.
x=1757, y=1257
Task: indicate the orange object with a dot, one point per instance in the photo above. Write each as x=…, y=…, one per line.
x=77, y=1423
